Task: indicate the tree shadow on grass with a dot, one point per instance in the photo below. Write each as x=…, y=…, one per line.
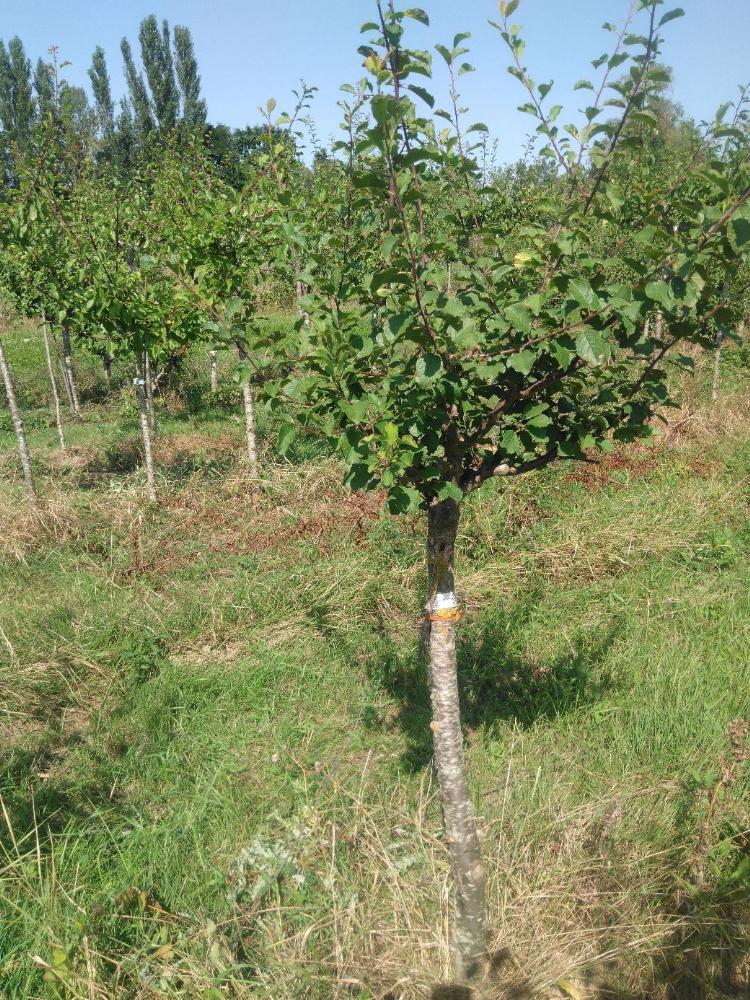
x=707, y=955
x=496, y=683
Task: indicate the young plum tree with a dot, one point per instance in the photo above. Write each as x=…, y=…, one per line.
x=540, y=355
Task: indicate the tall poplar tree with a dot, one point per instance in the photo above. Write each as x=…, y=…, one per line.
x=140, y=105
x=100, y=86
x=156, y=53
x=44, y=87
x=188, y=78
x=16, y=97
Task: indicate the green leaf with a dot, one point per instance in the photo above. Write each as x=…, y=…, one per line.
x=740, y=227
x=583, y=293
x=591, y=347
x=451, y=492
x=659, y=291
x=561, y=354
x=522, y=362
x=445, y=53
x=424, y=94
x=671, y=15
x=584, y=85
x=417, y=14
x=403, y=499
x=428, y=367
x=519, y=318
x=390, y=433
x=287, y=435
x=511, y=443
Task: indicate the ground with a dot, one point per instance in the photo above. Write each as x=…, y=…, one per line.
x=216, y=773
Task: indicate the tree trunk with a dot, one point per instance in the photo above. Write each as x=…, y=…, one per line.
x=462, y=835
x=149, y=388
x=107, y=362
x=302, y=291
x=64, y=370
x=68, y=362
x=53, y=384
x=140, y=384
x=247, y=393
x=717, y=367
x=23, y=448
x=214, y=372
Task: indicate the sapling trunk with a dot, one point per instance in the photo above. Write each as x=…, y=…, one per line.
x=15, y=413
x=247, y=394
x=140, y=385
x=53, y=385
x=717, y=367
x=149, y=388
x=64, y=370
x=69, y=374
x=107, y=362
x=214, y=372
x=462, y=835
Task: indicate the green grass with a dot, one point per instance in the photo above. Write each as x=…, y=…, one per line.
x=216, y=779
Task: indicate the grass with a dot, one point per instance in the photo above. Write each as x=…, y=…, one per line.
x=216, y=779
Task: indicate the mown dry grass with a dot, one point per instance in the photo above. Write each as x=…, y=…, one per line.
x=217, y=780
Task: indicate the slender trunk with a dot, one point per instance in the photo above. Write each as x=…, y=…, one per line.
x=53, y=384
x=302, y=291
x=462, y=835
x=64, y=370
x=659, y=325
x=450, y=280
x=107, y=362
x=214, y=372
x=68, y=362
x=247, y=393
x=23, y=448
x=149, y=388
x=140, y=384
x=717, y=367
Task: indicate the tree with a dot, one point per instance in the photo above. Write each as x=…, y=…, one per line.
x=23, y=449
x=539, y=356
x=193, y=107
x=16, y=97
x=100, y=86
x=44, y=86
x=156, y=54
x=139, y=108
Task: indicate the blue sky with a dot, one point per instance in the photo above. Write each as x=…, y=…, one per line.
x=250, y=50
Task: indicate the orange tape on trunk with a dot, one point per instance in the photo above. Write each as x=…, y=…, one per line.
x=449, y=615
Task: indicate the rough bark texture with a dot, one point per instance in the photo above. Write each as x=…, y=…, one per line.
x=214, y=372
x=53, y=385
x=462, y=836
x=140, y=385
x=64, y=370
x=69, y=375
x=149, y=387
x=247, y=393
x=23, y=449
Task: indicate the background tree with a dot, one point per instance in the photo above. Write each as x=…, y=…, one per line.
x=101, y=89
x=188, y=77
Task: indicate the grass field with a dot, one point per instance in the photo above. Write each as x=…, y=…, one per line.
x=215, y=774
